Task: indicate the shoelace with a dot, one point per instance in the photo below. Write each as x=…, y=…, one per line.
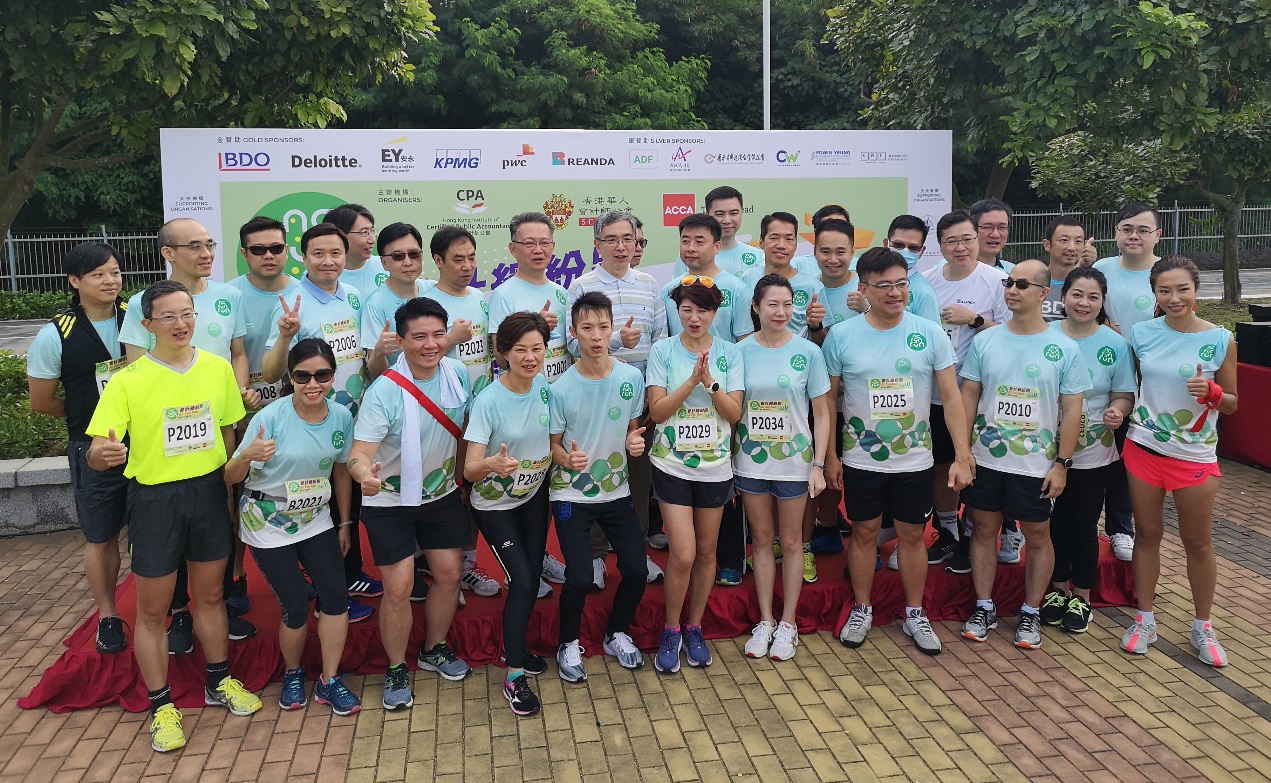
x=574, y=654
x=856, y=620
x=980, y=616
x=294, y=685
x=1207, y=636
x=476, y=574
x=669, y=638
x=166, y=718
x=336, y=689
x=1077, y=605
x=1056, y=599
x=521, y=688
x=624, y=643
x=397, y=679
x=444, y=654
x=784, y=635
x=922, y=624
x=1027, y=622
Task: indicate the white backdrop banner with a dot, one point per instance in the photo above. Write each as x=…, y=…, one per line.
x=479, y=179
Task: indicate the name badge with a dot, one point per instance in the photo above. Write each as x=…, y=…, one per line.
x=768, y=421
x=307, y=494
x=695, y=429
x=890, y=398
x=342, y=337
x=1017, y=407
x=188, y=429
x=103, y=371
x=557, y=361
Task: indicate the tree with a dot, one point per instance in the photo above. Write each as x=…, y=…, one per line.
x=86, y=83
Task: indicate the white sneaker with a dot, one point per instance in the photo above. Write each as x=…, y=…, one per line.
x=598, y=573
x=893, y=562
x=658, y=541
x=1123, y=546
x=478, y=581
x=783, y=642
x=544, y=590
x=622, y=648
x=1010, y=544
x=655, y=571
x=553, y=570
x=569, y=662
x=760, y=638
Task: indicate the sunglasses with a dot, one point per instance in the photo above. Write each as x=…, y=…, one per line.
x=401, y=255
x=1021, y=284
x=898, y=245
x=276, y=249
x=709, y=282
x=302, y=377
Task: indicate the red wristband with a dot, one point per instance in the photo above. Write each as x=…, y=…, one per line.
x=1215, y=395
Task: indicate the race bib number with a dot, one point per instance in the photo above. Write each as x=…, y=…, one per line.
x=474, y=352
x=769, y=421
x=307, y=494
x=268, y=391
x=695, y=429
x=342, y=337
x=557, y=361
x=104, y=370
x=890, y=398
x=188, y=429
x=1017, y=407
x=1085, y=422
x=950, y=330
x=529, y=474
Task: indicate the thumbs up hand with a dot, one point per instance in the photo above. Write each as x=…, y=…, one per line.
x=549, y=315
x=110, y=454
x=501, y=464
x=816, y=313
x=635, y=442
x=261, y=449
x=1198, y=384
x=387, y=343
x=629, y=334
x=371, y=482
x=577, y=458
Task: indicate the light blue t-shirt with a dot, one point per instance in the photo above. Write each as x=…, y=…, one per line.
x=370, y=277
x=734, y=261
x=1130, y=299
x=477, y=353
x=805, y=286
x=922, y=298
x=263, y=311
x=1111, y=366
x=515, y=295
x=297, y=479
x=887, y=377
x=44, y=357
x=732, y=319
x=696, y=442
x=807, y=264
x=335, y=318
x=382, y=305
x=595, y=413
x=222, y=318
x=835, y=301
x=1016, y=427
x=380, y=421
x=775, y=440
x=500, y=416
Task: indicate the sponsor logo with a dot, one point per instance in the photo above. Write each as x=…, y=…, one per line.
x=242, y=161
x=677, y=206
x=831, y=157
x=519, y=162
x=325, y=162
x=642, y=159
x=561, y=159
x=457, y=159
x=679, y=161
x=873, y=157
x=788, y=157
x=1207, y=352
x=395, y=159
x=559, y=209
x=586, y=221
x=469, y=202
x=337, y=439
x=735, y=158
x=1107, y=356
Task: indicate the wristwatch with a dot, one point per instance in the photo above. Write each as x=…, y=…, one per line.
x=816, y=328
x=1067, y=463
x=978, y=322
x=714, y=387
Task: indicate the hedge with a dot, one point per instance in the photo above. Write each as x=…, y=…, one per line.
x=28, y=305
x=24, y=434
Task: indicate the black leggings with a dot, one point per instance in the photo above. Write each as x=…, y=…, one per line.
x=618, y=520
x=730, y=547
x=321, y=559
x=1074, y=526
x=518, y=538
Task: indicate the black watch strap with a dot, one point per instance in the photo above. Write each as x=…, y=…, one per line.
x=1067, y=463
x=978, y=322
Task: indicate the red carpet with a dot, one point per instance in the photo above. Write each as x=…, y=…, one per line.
x=81, y=678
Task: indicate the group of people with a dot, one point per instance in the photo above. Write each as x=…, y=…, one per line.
x=754, y=395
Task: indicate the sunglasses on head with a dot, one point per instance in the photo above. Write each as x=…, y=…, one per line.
x=302, y=377
x=1020, y=284
x=709, y=282
x=259, y=250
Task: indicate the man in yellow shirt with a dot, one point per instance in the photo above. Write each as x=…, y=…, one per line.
x=178, y=405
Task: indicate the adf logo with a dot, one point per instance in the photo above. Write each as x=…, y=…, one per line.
x=676, y=207
x=559, y=209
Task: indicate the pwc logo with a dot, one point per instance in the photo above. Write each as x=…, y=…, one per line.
x=676, y=207
x=242, y=161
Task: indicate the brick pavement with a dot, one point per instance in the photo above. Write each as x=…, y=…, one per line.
x=1078, y=710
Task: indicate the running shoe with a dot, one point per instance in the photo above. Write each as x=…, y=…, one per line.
x=362, y=584
x=960, y=561
x=760, y=639
x=945, y=545
x=441, y=659
x=530, y=663
x=982, y=621
x=230, y=694
x=397, y=695
x=165, y=729
x=544, y=590
x=521, y=697
x=893, y=560
x=826, y=540
x=292, y=696
x=479, y=582
x=695, y=646
x=1077, y=617
x=553, y=570
x=1205, y=642
x=236, y=600
x=110, y=635
x=1028, y=631
x=419, y=591
x=598, y=573
x=1053, y=607
x=658, y=541
x=728, y=577
x=809, y=566
x=1009, y=544
x=918, y=627
x=656, y=574
x=784, y=642
x=181, y=634
x=853, y=632
x=777, y=556
x=621, y=647
x=667, y=660
x=359, y=611
x=1123, y=546
x=335, y=695
x=240, y=628
x=569, y=662
x=1138, y=637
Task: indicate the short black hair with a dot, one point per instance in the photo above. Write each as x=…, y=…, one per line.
x=344, y=216
x=877, y=260
x=530, y=217
x=1136, y=208
x=323, y=230
x=395, y=231
x=951, y=219
x=156, y=290
x=307, y=349
x=594, y=301
x=703, y=220
x=777, y=217
x=707, y=297
x=258, y=224
x=835, y=224
x=446, y=237
x=908, y=223
x=87, y=256
x=516, y=326
x=761, y=288
x=1064, y=220
x=723, y=192
x=828, y=210
x=419, y=307
x=990, y=205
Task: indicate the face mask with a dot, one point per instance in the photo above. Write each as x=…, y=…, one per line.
x=911, y=257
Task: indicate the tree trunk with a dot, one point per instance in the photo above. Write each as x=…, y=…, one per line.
x=999, y=179
x=1231, y=246
x=15, y=188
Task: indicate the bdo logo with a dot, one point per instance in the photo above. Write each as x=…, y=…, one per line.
x=1053, y=352
x=626, y=391
x=799, y=362
x=916, y=342
x=222, y=307
x=1107, y=356
x=800, y=298
x=242, y=161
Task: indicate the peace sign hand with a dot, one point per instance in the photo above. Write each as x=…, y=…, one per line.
x=289, y=323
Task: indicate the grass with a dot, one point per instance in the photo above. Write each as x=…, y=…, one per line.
x=1214, y=311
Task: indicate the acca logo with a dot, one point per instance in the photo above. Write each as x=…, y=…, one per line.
x=242, y=161
x=676, y=207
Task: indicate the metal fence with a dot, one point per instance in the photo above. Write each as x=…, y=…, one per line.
x=33, y=261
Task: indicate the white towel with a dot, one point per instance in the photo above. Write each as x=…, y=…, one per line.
x=452, y=395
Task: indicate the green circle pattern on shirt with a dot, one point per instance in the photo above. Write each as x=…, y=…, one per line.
x=890, y=436
x=1207, y=352
x=214, y=330
x=626, y=391
x=1186, y=370
x=614, y=413
x=903, y=366
x=1053, y=353
x=325, y=464
x=560, y=296
x=485, y=308
x=783, y=381
x=337, y=439
x=799, y=362
x=749, y=259
x=800, y=298
x=728, y=298
x=722, y=363
x=1032, y=371
x=1107, y=356
x=760, y=453
x=1143, y=302
x=380, y=278
x=604, y=475
x=223, y=307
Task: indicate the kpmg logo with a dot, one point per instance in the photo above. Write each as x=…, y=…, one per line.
x=242, y=161
x=457, y=159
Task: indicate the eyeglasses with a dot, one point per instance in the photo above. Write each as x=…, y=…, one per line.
x=642, y=242
x=302, y=377
x=1021, y=284
x=1000, y=228
x=1129, y=231
x=530, y=244
x=898, y=245
x=903, y=285
x=613, y=242
x=198, y=247
x=365, y=233
x=169, y=320
x=709, y=282
x=276, y=249
x=401, y=255
x=952, y=242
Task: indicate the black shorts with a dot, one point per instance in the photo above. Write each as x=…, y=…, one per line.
x=694, y=494
x=178, y=520
x=395, y=531
x=1014, y=496
x=840, y=424
x=101, y=497
x=941, y=441
x=869, y=493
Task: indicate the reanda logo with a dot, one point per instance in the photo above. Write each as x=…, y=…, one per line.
x=324, y=162
x=787, y=158
x=643, y=159
x=457, y=159
x=677, y=206
x=469, y=202
x=561, y=159
x=242, y=161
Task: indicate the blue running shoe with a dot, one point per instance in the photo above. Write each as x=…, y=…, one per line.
x=667, y=660
x=363, y=585
x=359, y=611
x=698, y=653
x=335, y=695
x=292, y=696
x=728, y=577
x=397, y=695
x=826, y=541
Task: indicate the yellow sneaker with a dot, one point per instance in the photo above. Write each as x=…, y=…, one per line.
x=776, y=555
x=165, y=729
x=231, y=695
x=809, y=566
